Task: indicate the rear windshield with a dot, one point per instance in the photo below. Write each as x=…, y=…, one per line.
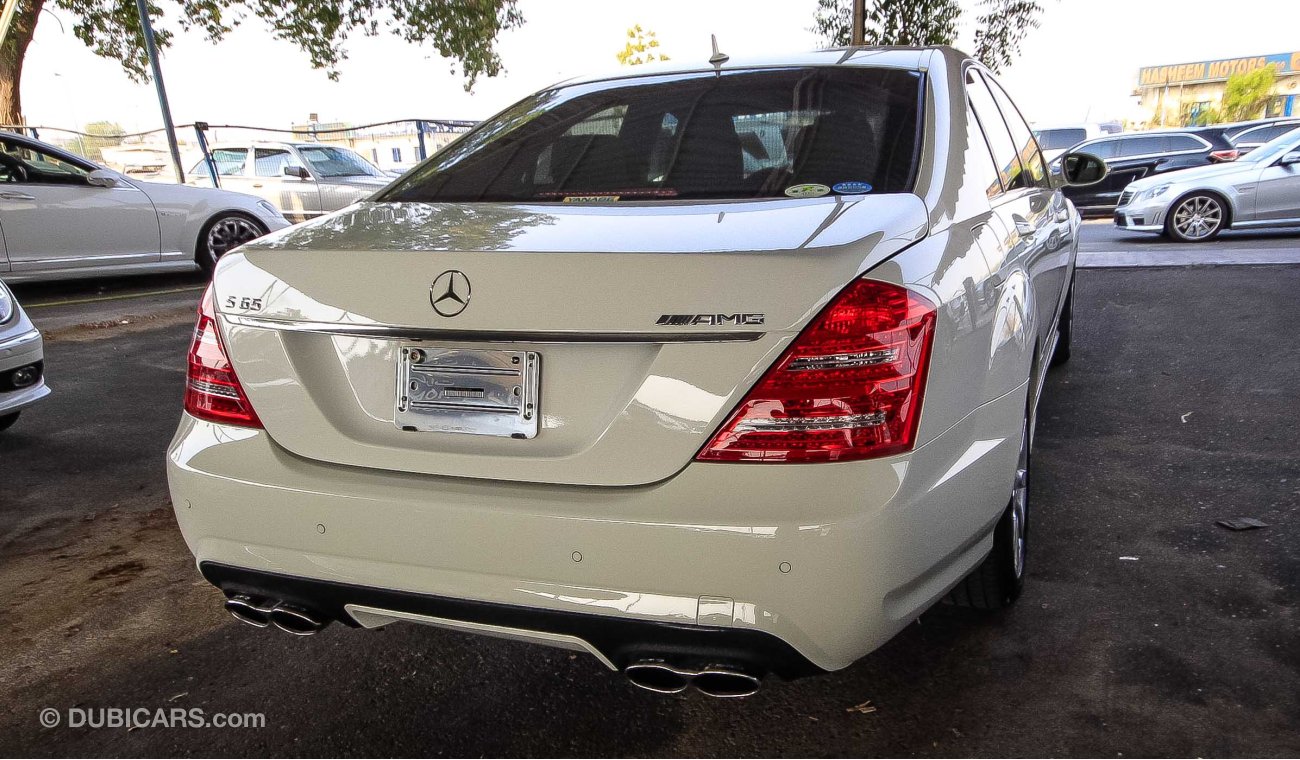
x=756, y=134
x=1060, y=139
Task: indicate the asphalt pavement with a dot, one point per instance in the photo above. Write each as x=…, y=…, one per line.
x=1145, y=629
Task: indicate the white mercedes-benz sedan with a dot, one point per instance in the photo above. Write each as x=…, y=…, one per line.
x=64, y=217
x=711, y=372
x=22, y=360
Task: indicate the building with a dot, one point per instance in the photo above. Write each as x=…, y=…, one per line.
x=1175, y=94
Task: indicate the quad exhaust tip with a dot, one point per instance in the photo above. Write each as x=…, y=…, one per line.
x=722, y=681
x=261, y=613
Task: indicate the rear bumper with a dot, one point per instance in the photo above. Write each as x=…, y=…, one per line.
x=617, y=641
x=785, y=567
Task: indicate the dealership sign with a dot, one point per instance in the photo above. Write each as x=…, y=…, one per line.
x=1210, y=71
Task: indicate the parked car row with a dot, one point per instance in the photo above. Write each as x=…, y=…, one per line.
x=1054, y=141
x=62, y=216
x=1259, y=190
x=1132, y=156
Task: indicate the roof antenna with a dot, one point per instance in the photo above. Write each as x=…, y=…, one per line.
x=718, y=58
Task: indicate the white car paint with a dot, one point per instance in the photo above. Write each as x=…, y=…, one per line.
x=607, y=531
x=20, y=347
x=69, y=230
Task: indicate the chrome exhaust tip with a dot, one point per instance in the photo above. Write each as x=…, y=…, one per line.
x=726, y=684
x=245, y=609
x=722, y=681
x=658, y=677
x=294, y=620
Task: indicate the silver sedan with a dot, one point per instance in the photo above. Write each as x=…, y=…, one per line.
x=1261, y=189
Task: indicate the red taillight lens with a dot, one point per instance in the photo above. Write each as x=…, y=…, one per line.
x=1225, y=155
x=848, y=388
x=212, y=392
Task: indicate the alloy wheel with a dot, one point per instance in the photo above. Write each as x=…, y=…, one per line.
x=229, y=233
x=1198, y=217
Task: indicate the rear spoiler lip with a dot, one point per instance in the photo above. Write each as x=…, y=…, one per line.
x=489, y=336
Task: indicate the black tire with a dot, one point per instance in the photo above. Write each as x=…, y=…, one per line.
x=242, y=229
x=1064, y=329
x=7, y=421
x=1000, y=578
x=1197, y=218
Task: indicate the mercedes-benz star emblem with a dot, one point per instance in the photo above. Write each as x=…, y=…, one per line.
x=449, y=293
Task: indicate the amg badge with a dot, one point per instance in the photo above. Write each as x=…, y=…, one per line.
x=710, y=319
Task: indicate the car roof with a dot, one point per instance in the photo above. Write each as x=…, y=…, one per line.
x=1157, y=133
x=1282, y=122
x=884, y=56
x=235, y=144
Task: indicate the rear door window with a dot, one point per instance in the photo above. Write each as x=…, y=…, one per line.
x=1142, y=146
x=1005, y=155
x=1021, y=136
x=1102, y=149
x=743, y=134
x=230, y=161
x=980, y=168
x=271, y=162
x=1183, y=142
x=1060, y=139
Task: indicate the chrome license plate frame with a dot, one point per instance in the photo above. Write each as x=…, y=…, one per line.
x=470, y=391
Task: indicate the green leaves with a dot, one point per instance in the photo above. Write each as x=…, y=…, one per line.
x=1245, y=95
x=1000, y=27
x=465, y=31
x=890, y=22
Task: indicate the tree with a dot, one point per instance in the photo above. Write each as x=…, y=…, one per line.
x=100, y=135
x=463, y=30
x=890, y=22
x=641, y=47
x=1245, y=95
x=1000, y=26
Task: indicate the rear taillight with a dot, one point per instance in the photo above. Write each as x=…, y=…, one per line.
x=1225, y=155
x=849, y=387
x=212, y=392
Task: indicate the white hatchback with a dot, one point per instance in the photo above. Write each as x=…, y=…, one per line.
x=712, y=372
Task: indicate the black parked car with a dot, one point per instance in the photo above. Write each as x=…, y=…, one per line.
x=1249, y=135
x=1134, y=155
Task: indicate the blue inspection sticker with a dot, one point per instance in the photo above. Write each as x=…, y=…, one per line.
x=851, y=188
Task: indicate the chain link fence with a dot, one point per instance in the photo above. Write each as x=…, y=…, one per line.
x=207, y=150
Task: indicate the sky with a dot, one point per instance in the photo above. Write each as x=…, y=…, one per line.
x=1081, y=64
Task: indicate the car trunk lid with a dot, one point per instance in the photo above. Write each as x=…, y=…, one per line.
x=648, y=322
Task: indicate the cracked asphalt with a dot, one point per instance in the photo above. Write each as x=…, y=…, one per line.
x=1145, y=629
